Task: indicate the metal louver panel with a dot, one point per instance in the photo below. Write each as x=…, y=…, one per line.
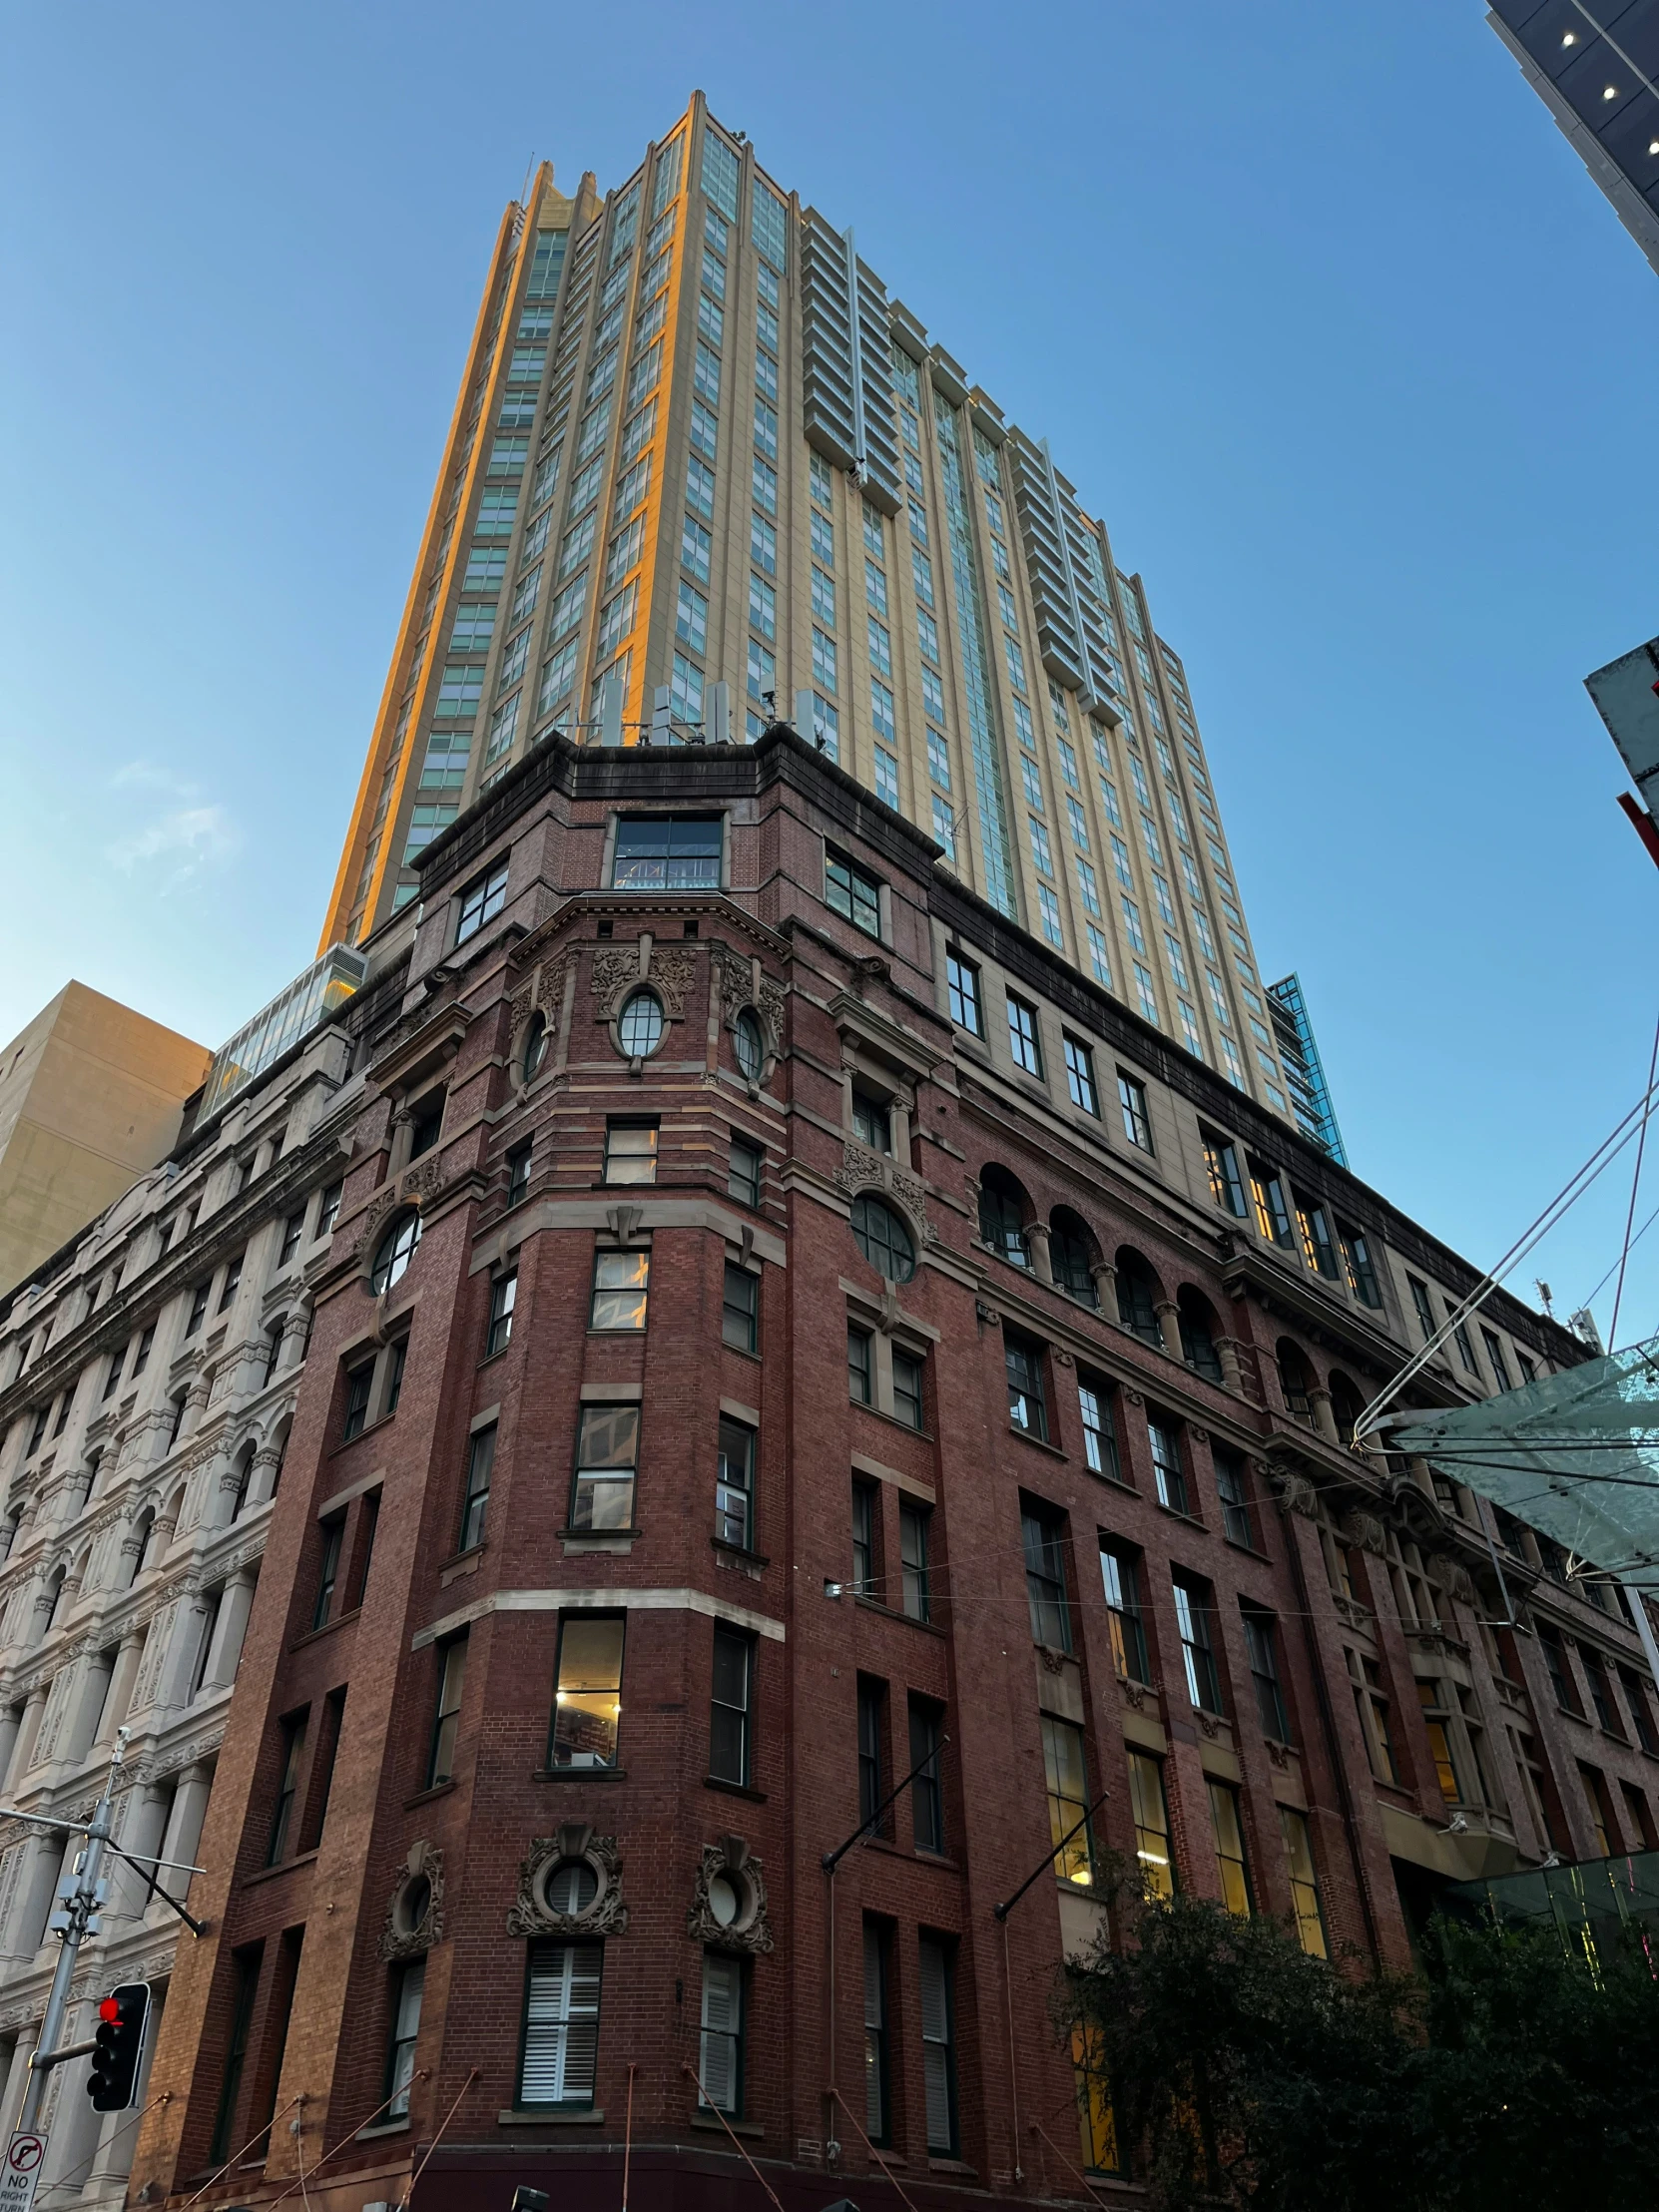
x=848, y=409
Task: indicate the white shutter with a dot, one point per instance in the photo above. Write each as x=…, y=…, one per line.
x=935, y=2045
x=876, y=2020
x=721, y=2027
x=561, y=2024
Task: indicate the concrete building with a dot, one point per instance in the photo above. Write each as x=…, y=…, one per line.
x=1595, y=65
x=702, y=464
x=148, y=1377
x=787, y=1330
x=90, y=1096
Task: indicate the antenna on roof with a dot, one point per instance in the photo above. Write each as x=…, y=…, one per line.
x=524, y=189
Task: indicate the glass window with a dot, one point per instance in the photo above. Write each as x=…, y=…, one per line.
x=927, y=1791
x=1080, y=1076
x=503, y=1295
x=1100, y=1443
x=858, y=1372
x=293, y=1750
x=1273, y=1215
x=640, y=1027
x=588, y=1689
x=863, y=1569
x=729, y=1698
x=1067, y=1772
x=1149, y=1810
x=962, y=989
x=850, y=891
x=359, y=1387
x=1357, y=1262
x=1022, y=1036
x=749, y=1046
x=1234, y=1496
x=1228, y=1832
x=938, y=2049
x=447, y=1720
x=621, y=1289
x=607, y=1453
x=906, y=1388
x=872, y=1122
x=883, y=1239
x=1120, y=1578
x=656, y=852
x=397, y=1249
x=1027, y=1409
x=1317, y=1247
x=629, y=1152
x=1137, y=1124
x=734, y=1484
x=877, y=2095
x=1221, y=1160
x=1261, y=1642
x=743, y=1181
x=912, y=1556
x=1168, y=1472
x=1305, y=1889
x=1192, y=1618
x=739, y=1316
x=1043, y=1535
x=561, y=2024
x=480, y=1466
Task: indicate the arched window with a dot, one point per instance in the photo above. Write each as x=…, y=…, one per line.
x=145, y=1533
x=883, y=1239
x=1296, y=1380
x=1347, y=1405
x=640, y=1025
x=535, y=1047
x=54, y=1597
x=748, y=1045
x=1071, y=1257
x=274, y=1347
x=1002, y=1212
x=1138, y=1294
x=1198, y=1334
x=245, y=1475
x=397, y=1249
x=178, y=1403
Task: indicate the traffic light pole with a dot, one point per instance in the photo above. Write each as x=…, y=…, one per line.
x=74, y=1917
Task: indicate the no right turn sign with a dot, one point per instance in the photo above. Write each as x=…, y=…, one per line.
x=25, y=2155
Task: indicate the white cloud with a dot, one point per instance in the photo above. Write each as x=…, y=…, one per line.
x=193, y=836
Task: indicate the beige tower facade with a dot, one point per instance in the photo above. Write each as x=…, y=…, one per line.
x=90, y=1096
x=703, y=470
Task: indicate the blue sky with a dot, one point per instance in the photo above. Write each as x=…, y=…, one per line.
x=1315, y=303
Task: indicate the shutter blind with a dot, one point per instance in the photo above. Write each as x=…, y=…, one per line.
x=561, y=2024
x=935, y=2045
x=876, y=2020
x=721, y=2026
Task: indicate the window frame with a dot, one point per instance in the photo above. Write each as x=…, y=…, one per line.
x=740, y=1647
x=481, y=902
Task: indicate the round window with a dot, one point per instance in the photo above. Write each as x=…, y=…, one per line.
x=640, y=1027
x=571, y=1887
x=414, y=1903
x=750, y=1046
x=724, y=1900
x=535, y=1046
x=884, y=1240
x=397, y=1249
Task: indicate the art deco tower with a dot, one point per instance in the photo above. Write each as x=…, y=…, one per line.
x=701, y=463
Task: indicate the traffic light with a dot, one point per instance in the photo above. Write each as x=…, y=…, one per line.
x=121, y=2022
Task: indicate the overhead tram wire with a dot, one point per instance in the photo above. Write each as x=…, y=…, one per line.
x=1635, y=1185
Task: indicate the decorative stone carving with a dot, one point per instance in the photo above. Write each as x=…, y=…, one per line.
x=1208, y=1724
x=864, y=1170
x=728, y=1903
x=424, y=1180
x=1134, y=1694
x=531, y=1914
x=1296, y=1491
x=414, y=1918
x=1279, y=1755
x=1364, y=1531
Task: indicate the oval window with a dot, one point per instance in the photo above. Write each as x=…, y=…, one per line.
x=414, y=1903
x=884, y=1240
x=397, y=1249
x=724, y=1901
x=535, y=1046
x=750, y=1046
x=571, y=1887
x=640, y=1027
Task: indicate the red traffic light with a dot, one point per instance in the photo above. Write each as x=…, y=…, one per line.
x=109, y=2009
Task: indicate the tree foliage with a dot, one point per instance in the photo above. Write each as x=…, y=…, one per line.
x=1510, y=2071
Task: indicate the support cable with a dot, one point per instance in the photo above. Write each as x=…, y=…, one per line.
x=1037, y=2129
x=1635, y=1185
x=628, y=2134
x=438, y=2137
x=219, y=2172
x=686, y=2066
x=421, y=2074
x=873, y=2152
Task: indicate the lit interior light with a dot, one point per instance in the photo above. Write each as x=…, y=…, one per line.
x=1570, y=38
x=1654, y=147
x=1609, y=92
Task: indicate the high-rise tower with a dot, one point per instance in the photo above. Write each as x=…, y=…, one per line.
x=1595, y=65
x=704, y=468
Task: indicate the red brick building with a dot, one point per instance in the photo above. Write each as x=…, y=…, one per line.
x=786, y=1332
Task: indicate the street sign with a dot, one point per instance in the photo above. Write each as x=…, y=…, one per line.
x=25, y=2155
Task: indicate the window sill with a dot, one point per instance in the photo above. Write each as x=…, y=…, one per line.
x=892, y=1420
x=490, y=1358
x=551, y=2116
x=578, y=1774
x=1174, y=1512
x=953, y=2166
x=1251, y=1551
x=369, y=1429
x=744, y=1352
x=283, y=1865
x=598, y=1535
x=892, y=1613
x=1037, y=1444
x=429, y=1797
x=316, y=1635
x=457, y=1558
x=740, y=1552
x=383, y=2127
x=734, y=1788
x=719, y=2126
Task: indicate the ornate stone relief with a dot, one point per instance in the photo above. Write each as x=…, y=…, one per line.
x=607, y=1914
x=864, y=1170
x=414, y=1916
x=728, y=1903
x=616, y=972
